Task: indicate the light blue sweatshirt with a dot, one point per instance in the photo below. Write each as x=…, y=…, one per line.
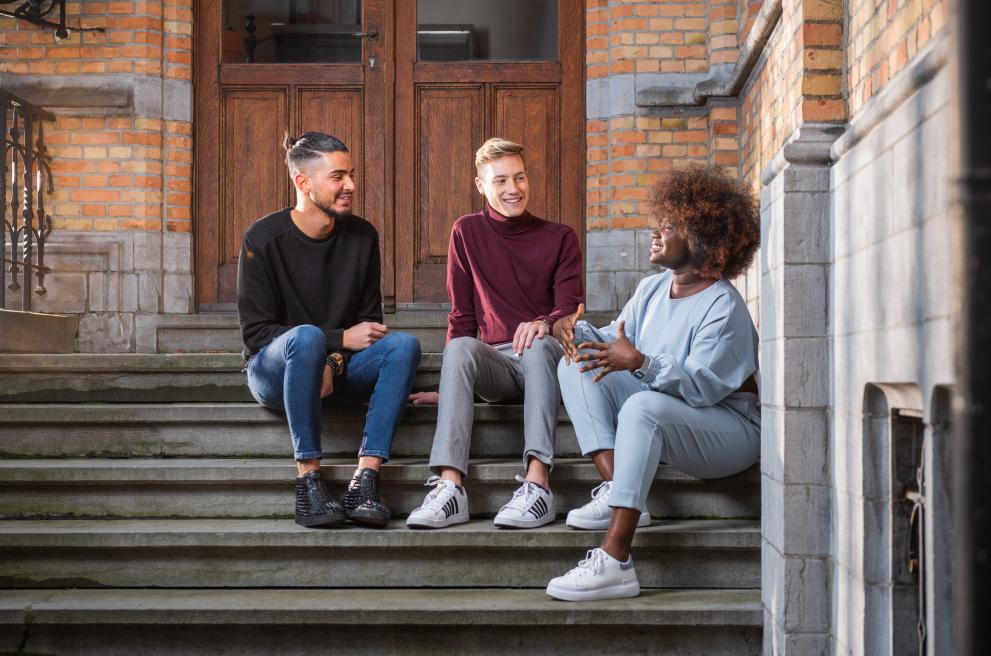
x=701, y=348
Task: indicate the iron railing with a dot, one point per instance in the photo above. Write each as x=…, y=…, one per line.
x=26, y=167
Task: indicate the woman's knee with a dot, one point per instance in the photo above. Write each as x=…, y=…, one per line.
x=647, y=407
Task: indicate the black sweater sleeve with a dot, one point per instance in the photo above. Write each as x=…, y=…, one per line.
x=257, y=304
x=369, y=306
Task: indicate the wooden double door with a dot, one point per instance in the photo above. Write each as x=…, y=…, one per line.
x=412, y=126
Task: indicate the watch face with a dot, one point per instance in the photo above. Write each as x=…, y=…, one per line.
x=638, y=374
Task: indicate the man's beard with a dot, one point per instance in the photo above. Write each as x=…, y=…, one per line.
x=332, y=213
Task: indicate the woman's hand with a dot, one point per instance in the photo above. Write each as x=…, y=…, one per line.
x=618, y=355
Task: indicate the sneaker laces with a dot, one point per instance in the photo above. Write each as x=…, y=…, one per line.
x=524, y=496
x=592, y=564
x=600, y=492
x=436, y=498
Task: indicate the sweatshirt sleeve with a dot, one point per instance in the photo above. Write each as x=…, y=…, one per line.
x=568, y=289
x=461, y=321
x=716, y=365
x=257, y=306
x=585, y=332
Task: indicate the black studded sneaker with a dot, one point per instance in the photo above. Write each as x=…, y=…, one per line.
x=362, y=503
x=314, y=505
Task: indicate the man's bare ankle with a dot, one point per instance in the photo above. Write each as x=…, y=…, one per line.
x=452, y=475
x=304, y=467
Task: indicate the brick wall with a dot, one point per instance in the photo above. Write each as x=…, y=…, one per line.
x=883, y=37
x=114, y=169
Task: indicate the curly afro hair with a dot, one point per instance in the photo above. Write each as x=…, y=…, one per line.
x=718, y=218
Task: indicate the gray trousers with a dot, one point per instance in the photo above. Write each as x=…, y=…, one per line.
x=472, y=367
x=645, y=427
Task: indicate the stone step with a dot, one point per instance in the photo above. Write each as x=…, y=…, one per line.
x=142, y=378
x=257, y=488
x=219, y=331
x=235, y=429
x=278, y=553
x=383, y=621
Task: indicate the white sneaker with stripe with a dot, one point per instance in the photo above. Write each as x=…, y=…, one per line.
x=445, y=505
x=530, y=507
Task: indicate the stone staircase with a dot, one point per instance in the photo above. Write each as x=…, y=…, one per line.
x=147, y=508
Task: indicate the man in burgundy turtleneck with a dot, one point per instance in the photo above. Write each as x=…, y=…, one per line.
x=510, y=276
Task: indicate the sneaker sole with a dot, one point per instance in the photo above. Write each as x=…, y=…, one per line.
x=525, y=523
x=618, y=591
x=321, y=520
x=601, y=524
x=374, y=520
x=460, y=518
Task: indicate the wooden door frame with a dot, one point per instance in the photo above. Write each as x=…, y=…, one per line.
x=571, y=67
x=378, y=91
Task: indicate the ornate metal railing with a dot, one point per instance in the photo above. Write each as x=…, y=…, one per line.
x=26, y=167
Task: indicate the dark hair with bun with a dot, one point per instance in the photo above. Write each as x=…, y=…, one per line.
x=307, y=147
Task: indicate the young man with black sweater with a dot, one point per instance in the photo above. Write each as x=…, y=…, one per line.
x=310, y=308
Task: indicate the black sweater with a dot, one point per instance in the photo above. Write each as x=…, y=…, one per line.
x=287, y=279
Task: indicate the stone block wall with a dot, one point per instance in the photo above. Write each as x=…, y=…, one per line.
x=122, y=160
x=644, y=63
x=892, y=304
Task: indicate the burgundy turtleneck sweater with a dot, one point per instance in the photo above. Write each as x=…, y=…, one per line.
x=502, y=272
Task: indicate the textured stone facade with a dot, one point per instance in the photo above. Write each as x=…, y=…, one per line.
x=122, y=161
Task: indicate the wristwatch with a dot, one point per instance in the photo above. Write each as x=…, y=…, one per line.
x=336, y=363
x=642, y=371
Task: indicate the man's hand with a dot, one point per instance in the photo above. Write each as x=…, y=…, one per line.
x=424, y=398
x=327, y=387
x=526, y=332
x=363, y=335
x=618, y=355
x=564, y=332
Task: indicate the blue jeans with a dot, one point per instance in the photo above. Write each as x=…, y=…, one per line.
x=287, y=374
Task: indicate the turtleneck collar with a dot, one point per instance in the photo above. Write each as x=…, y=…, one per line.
x=507, y=225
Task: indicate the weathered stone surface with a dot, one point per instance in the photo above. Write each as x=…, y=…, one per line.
x=32, y=332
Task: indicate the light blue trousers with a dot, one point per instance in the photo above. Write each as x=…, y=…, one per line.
x=646, y=427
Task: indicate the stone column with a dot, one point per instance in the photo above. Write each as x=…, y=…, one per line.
x=795, y=492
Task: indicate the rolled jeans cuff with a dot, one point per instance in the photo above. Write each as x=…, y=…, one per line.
x=625, y=499
x=309, y=455
x=375, y=453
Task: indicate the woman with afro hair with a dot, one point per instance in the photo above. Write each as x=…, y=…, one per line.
x=671, y=379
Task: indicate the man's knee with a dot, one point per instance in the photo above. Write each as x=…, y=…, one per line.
x=306, y=340
x=542, y=351
x=462, y=349
x=403, y=344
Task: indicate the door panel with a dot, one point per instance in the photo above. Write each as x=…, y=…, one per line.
x=252, y=171
x=530, y=116
x=452, y=117
x=336, y=111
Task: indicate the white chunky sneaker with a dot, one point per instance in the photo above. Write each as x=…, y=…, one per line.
x=598, y=576
x=530, y=507
x=595, y=515
x=445, y=505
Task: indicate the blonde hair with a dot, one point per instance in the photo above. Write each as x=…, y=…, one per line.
x=497, y=148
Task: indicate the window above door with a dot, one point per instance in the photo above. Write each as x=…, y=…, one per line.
x=291, y=31
x=481, y=30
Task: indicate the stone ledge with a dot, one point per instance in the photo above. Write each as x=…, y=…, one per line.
x=918, y=74
x=33, y=332
x=103, y=95
x=720, y=81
